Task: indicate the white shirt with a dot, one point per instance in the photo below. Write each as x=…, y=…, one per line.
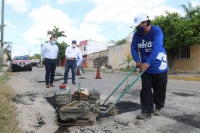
x=73, y=52
x=49, y=51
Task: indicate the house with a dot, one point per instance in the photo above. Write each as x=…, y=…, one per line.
x=188, y=59
x=91, y=46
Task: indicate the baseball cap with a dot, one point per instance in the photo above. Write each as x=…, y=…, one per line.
x=73, y=41
x=139, y=18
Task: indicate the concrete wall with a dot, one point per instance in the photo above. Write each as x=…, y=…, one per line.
x=92, y=56
x=116, y=55
x=191, y=65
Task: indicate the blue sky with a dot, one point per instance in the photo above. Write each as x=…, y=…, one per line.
x=27, y=21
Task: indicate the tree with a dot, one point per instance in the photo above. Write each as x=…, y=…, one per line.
x=127, y=60
x=55, y=32
x=36, y=56
x=62, y=47
x=179, y=31
x=120, y=42
x=7, y=50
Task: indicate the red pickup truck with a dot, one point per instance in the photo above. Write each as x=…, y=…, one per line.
x=21, y=63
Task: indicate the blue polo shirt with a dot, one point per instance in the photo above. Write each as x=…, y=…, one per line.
x=151, y=50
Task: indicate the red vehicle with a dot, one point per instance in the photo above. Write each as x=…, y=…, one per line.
x=21, y=63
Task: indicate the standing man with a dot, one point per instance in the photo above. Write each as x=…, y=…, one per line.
x=148, y=39
x=71, y=53
x=50, y=52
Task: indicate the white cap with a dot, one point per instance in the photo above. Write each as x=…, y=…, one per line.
x=139, y=18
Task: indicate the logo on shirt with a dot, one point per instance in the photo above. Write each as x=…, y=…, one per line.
x=145, y=44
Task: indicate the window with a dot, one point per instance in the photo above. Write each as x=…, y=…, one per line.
x=84, y=48
x=184, y=53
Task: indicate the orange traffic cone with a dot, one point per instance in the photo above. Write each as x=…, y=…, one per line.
x=98, y=74
x=78, y=71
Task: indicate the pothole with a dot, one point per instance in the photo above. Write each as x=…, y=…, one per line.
x=183, y=94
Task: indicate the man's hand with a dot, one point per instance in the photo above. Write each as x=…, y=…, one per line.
x=72, y=58
x=144, y=66
x=138, y=64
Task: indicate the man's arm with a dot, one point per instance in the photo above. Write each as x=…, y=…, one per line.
x=43, y=50
x=134, y=52
x=57, y=50
x=66, y=53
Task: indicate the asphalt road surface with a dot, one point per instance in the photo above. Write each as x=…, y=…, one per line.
x=33, y=101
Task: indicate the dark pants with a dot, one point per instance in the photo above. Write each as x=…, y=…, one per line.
x=159, y=83
x=81, y=67
x=70, y=65
x=50, y=65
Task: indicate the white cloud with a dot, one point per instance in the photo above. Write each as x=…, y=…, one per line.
x=66, y=1
x=46, y=17
x=105, y=10
x=195, y=3
x=18, y=5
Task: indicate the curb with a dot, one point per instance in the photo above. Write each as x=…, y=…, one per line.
x=179, y=77
x=186, y=78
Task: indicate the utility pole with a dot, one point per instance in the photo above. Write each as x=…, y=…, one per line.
x=41, y=50
x=2, y=35
x=29, y=52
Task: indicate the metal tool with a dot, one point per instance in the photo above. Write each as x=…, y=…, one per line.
x=86, y=106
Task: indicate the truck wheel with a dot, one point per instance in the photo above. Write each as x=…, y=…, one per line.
x=30, y=69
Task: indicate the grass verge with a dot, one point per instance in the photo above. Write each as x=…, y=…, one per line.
x=8, y=121
x=89, y=70
x=125, y=69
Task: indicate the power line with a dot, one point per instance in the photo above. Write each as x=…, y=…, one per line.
x=84, y=10
x=21, y=27
x=108, y=8
x=108, y=19
x=75, y=7
x=122, y=20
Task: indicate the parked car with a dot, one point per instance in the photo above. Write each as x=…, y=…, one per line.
x=21, y=63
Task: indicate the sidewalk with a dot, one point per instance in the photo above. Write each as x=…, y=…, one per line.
x=178, y=76
x=185, y=76
x=4, y=70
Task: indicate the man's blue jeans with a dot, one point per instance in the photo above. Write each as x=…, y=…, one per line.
x=50, y=65
x=81, y=67
x=70, y=65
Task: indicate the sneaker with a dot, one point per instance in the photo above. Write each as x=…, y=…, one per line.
x=143, y=116
x=52, y=85
x=47, y=86
x=74, y=83
x=157, y=112
x=64, y=82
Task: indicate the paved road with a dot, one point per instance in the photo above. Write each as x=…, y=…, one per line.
x=180, y=115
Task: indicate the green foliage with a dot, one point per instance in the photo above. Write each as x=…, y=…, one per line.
x=55, y=32
x=8, y=121
x=120, y=42
x=179, y=31
x=62, y=47
x=125, y=69
x=36, y=56
x=127, y=60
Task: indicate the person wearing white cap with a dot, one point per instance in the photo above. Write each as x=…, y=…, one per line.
x=148, y=39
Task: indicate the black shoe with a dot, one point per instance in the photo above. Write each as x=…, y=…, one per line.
x=144, y=116
x=64, y=82
x=74, y=83
x=157, y=112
